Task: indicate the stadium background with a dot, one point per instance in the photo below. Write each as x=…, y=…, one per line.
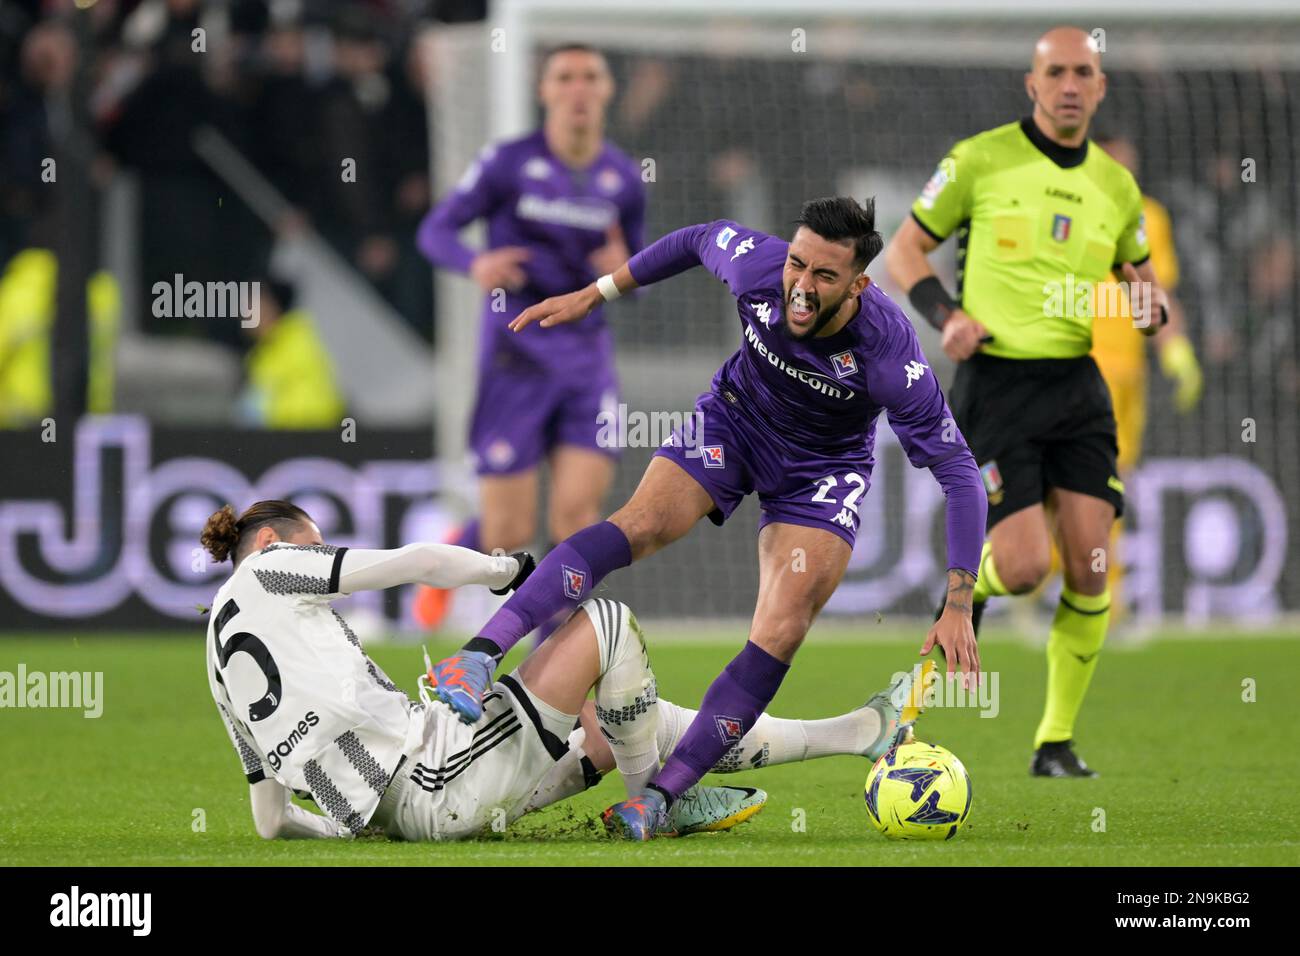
x=226, y=164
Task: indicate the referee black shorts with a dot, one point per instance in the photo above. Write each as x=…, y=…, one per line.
x=1035, y=424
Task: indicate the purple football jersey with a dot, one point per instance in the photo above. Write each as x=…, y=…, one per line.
x=823, y=394
x=819, y=398
x=530, y=198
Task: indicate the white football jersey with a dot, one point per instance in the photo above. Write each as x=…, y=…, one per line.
x=301, y=700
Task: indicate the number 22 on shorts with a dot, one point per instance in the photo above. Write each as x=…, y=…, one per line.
x=848, y=514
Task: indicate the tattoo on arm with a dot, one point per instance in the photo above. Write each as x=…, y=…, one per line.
x=961, y=586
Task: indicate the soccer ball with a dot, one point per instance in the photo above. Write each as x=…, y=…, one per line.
x=918, y=791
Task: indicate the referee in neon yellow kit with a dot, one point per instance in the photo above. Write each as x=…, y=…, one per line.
x=1041, y=218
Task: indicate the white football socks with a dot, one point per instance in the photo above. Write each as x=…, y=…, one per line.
x=777, y=740
x=774, y=740
x=626, y=697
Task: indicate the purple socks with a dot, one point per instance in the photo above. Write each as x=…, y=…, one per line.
x=730, y=707
x=565, y=578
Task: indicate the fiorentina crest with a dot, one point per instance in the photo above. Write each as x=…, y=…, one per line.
x=712, y=455
x=573, y=582
x=844, y=364
x=729, y=728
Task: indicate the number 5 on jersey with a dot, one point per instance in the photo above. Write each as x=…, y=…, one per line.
x=251, y=645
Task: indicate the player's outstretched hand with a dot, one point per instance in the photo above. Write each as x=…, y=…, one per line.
x=962, y=336
x=559, y=309
x=954, y=633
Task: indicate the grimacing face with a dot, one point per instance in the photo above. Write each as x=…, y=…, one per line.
x=817, y=278
x=576, y=86
x=1065, y=81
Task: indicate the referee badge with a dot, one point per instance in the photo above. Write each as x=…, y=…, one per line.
x=992, y=482
x=1061, y=228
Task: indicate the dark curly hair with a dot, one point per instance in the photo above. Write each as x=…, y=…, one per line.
x=842, y=219
x=225, y=535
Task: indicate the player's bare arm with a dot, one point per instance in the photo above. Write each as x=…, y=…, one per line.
x=953, y=631
x=906, y=258
x=572, y=307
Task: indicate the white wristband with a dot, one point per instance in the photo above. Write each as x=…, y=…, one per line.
x=608, y=290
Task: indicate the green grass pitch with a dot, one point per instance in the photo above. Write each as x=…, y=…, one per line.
x=1191, y=773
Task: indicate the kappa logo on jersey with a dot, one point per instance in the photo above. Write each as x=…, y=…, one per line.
x=574, y=580
x=845, y=364
x=1060, y=227
x=713, y=457
x=730, y=729
x=764, y=312
x=743, y=248
x=914, y=371
x=725, y=237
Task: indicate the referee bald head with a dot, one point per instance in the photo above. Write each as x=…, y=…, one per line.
x=1065, y=82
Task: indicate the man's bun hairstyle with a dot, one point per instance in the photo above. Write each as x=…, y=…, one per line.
x=225, y=536
x=843, y=219
x=221, y=533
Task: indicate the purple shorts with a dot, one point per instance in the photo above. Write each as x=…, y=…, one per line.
x=732, y=457
x=524, y=410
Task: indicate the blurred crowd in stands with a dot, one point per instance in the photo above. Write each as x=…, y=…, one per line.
x=294, y=85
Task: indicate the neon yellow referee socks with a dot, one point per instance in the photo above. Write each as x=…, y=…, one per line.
x=1078, y=631
x=988, y=584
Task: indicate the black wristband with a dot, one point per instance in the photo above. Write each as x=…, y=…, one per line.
x=932, y=300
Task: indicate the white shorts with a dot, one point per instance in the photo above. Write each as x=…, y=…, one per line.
x=462, y=779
